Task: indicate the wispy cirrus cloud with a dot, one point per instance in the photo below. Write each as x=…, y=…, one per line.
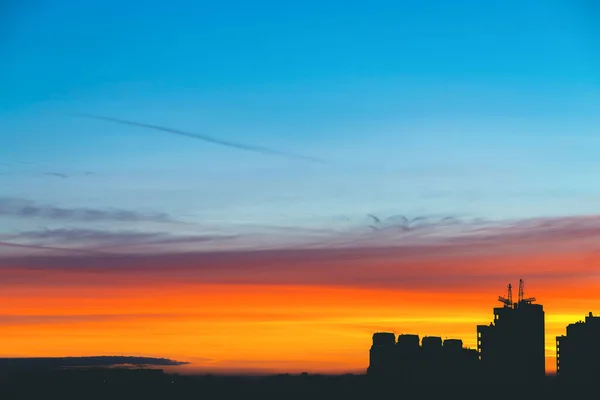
x=57, y=174
x=22, y=208
x=547, y=248
x=94, y=240
x=43, y=248
x=398, y=230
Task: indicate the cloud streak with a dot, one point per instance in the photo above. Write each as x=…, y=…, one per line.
x=21, y=208
x=97, y=361
x=428, y=262
x=102, y=240
x=206, y=138
x=22, y=246
x=57, y=174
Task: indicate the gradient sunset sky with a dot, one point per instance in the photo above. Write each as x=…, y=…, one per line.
x=459, y=143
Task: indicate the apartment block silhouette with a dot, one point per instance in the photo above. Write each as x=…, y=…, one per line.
x=578, y=352
x=412, y=360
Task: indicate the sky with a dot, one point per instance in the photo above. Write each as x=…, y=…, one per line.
x=328, y=169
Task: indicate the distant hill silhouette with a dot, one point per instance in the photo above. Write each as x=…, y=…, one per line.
x=8, y=364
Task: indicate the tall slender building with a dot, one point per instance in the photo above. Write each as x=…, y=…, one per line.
x=512, y=347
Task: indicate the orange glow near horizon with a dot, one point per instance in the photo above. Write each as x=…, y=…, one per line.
x=230, y=328
x=293, y=312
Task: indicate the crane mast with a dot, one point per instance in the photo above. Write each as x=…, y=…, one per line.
x=522, y=299
x=520, y=290
x=507, y=300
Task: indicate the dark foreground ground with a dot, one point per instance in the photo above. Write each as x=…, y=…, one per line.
x=147, y=384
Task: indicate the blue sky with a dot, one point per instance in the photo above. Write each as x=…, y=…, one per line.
x=480, y=109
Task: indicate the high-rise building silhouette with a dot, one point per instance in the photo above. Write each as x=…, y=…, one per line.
x=578, y=352
x=512, y=346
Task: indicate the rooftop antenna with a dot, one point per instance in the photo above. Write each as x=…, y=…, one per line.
x=522, y=298
x=520, y=290
x=507, y=300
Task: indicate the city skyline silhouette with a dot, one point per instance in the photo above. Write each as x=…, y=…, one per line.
x=507, y=345
x=506, y=357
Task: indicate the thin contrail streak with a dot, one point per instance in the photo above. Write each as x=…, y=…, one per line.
x=258, y=149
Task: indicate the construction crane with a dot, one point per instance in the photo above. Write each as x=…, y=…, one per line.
x=507, y=300
x=522, y=298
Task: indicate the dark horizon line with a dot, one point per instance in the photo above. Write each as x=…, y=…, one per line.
x=149, y=362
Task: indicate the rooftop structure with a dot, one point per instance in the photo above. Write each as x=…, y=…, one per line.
x=512, y=346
